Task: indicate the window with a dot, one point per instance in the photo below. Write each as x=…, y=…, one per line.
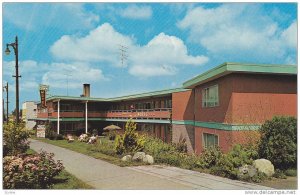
x=210, y=96
x=210, y=140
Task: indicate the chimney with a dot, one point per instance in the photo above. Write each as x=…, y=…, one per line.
x=86, y=90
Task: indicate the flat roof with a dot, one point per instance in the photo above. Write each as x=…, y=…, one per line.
x=159, y=93
x=230, y=67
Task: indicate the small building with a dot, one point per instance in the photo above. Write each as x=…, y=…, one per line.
x=29, y=112
x=222, y=106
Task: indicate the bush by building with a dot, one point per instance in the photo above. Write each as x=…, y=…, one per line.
x=130, y=141
x=279, y=142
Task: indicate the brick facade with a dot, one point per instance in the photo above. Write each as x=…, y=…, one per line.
x=186, y=132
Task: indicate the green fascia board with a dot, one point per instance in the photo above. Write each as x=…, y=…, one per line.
x=230, y=67
x=58, y=97
x=148, y=94
x=129, y=97
x=218, y=126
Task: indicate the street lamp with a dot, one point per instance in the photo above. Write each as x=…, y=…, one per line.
x=7, y=52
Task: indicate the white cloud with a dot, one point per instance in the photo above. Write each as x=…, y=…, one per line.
x=289, y=35
x=101, y=44
x=136, y=12
x=159, y=57
x=74, y=75
x=32, y=16
x=238, y=30
x=54, y=74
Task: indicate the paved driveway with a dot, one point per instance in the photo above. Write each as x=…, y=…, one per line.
x=103, y=175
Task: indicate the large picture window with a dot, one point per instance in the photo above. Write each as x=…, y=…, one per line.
x=210, y=140
x=210, y=96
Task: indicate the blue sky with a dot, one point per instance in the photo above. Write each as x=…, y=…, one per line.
x=168, y=43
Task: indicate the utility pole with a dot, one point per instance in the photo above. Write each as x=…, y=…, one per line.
x=7, y=51
x=3, y=110
x=6, y=89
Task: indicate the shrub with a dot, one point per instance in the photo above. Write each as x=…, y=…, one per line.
x=48, y=130
x=209, y=157
x=130, y=141
x=181, y=146
x=156, y=146
x=279, y=174
x=104, y=146
x=291, y=172
x=95, y=132
x=15, y=138
x=259, y=177
x=228, y=164
x=112, y=135
x=30, y=171
x=55, y=136
x=171, y=159
x=279, y=142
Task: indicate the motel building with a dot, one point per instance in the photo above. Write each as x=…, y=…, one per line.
x=222, y=106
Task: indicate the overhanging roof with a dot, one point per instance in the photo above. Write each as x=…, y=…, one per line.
x=230, y=67
x=115, y=99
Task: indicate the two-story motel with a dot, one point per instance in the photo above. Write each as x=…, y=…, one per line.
x=214, y=108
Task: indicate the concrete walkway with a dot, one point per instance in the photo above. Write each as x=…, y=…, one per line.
x=103, y=175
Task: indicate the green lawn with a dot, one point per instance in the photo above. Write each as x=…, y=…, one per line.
x=85, y=148
x=65, y=180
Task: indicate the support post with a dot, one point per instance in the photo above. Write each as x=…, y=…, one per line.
x=86, y=117
x=7, y=102
x=58, y=110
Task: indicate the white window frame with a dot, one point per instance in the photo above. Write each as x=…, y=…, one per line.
x=203, y=139
x=206, y=102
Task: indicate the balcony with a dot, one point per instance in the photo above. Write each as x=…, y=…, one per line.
x=158, y=113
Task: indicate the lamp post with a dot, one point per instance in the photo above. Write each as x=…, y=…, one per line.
x=6, y=89
x=7, y=52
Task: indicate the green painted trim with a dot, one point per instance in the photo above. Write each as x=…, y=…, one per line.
x=141, y=120
x=229, y=67
x=41, y=119
x=218, y=126
x=67, y=119
x=108, y=119
x=128, y=97
x=187, y=122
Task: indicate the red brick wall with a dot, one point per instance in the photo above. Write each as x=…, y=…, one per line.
x=256, y=108
x=221, y=113
x=225, y=138
x=241, y=95
x=183, y=105
x=184, y=131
